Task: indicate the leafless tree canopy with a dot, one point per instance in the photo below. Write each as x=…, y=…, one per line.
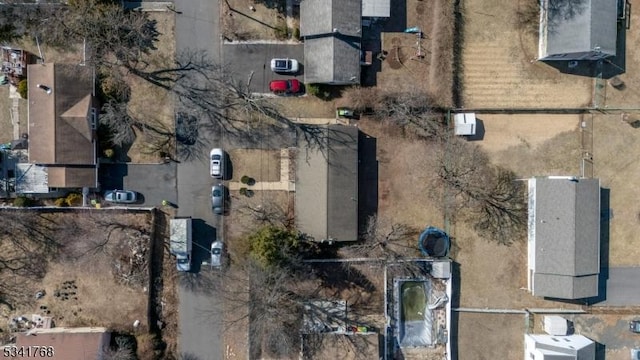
x=385, y=239
x=486, y=194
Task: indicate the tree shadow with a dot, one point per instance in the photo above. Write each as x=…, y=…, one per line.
x=203, y=236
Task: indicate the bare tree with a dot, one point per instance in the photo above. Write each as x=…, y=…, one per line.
x=382, y=238
x=486, y=194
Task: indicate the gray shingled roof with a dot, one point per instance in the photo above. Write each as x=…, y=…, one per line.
x=326, y=197
x=566, y=227
x=318, y=17
x=332, y=60
x=578, y=27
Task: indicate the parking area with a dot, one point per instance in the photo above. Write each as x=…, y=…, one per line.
x=153, y=182
x=251, y=63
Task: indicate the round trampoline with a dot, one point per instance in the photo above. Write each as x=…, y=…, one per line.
x=434, y=242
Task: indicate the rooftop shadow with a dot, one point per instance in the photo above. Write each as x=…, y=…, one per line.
x=606, y=68
x=367, y=179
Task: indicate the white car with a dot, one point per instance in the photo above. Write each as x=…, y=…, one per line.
x=285, y=65
x=216, y=254
x=121, y=196
x=216, y=156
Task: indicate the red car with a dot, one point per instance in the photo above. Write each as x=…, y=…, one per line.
x=284, y=87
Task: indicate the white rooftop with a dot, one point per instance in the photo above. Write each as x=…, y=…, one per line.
x=465, y=124
x=376, y=8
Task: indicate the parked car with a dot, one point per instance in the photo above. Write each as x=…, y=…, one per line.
x=216, y=254
x=217, y=199
x=285, y=65
x=121, y=196
x=635, y=354
x=217, y=163
x=285, y=87
x=634, y=326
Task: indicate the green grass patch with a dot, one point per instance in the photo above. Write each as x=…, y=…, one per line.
x=414, y=301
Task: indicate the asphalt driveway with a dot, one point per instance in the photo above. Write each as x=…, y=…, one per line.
x=622, y=287
x=245, y=59
x=154, y=182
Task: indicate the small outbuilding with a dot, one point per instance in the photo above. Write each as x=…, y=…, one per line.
x=556, y=325
x=465, y=124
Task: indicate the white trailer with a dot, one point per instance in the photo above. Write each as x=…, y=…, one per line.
x=181, y=242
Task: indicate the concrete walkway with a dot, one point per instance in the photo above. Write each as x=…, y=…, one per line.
x=286, y=183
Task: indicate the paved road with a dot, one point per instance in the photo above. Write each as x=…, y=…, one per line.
x=197, y=28
x=154, y=182
x=245, y=59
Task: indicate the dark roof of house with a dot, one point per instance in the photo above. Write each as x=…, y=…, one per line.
x=327, y=184
x=67, y=343
x=319, y=17
x=566, y=227
x=59, y=121
x=578, y=26
x=332, y=59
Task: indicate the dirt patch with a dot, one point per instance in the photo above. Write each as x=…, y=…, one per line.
x=244, y=20
x=490, y=336
x=500, y=68
x=421, y=62
x=261, y=165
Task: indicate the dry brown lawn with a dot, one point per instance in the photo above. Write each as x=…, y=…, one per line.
x=490, y=336
x=404, y=69
x=499, y=67
x=149, y=102
x=262, y=165
x=614, y=149
x=239, y=22
x=628, y=97
x=93, y=259
x=6, y=128
x=305, y=107
x=533, y=145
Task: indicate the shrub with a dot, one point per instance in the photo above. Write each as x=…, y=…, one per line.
x=22, y=201
x=296, y=33
x=23, y=89
x=108, y=153
x=74, y=199
x=61, y=202
x=251, y=181
x=273, y=246
x=245, y=179
x=243, y=191
x=320, y=91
